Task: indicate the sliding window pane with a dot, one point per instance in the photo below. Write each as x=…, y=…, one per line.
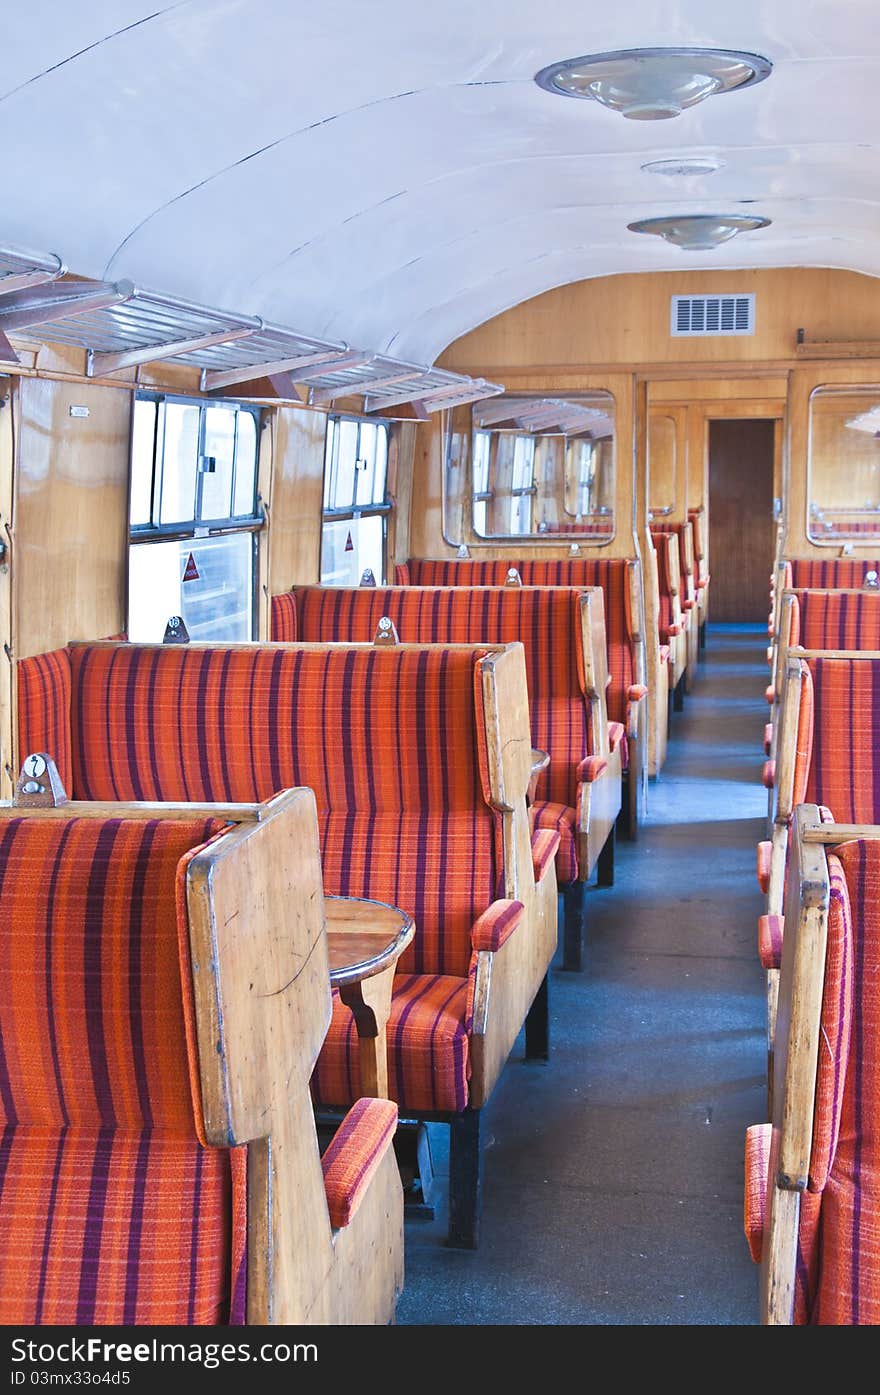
x=179, y=462
x=217, y=461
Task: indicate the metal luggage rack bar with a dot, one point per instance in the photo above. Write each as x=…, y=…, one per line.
x=121, y=325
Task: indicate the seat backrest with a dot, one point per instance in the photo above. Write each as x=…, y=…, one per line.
x=825, y=573
x=837, y=619
x=43, y=693
x=392, y=741
x=844, y=763
x=667, y=582
x=613, y=575
x=283, y=619
x=98, y=1069
x=845, y=1162
x=547, y=620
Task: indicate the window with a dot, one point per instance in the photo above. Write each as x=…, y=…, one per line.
x=356, y=505
x=538, y=466
x=194, y=518
x=843, y=466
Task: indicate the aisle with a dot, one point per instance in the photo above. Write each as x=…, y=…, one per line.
x=613, y=1179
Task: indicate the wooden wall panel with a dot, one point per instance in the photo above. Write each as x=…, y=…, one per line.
x=70, y=514
x=295, y=498
x=624, y=320
x=802, y=383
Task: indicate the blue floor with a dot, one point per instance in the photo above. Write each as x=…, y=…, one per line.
x=613, y=1175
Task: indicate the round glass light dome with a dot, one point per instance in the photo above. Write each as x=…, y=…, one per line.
x=653, y=84
x=699, y=232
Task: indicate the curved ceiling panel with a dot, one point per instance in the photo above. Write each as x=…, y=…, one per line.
x=391, y=174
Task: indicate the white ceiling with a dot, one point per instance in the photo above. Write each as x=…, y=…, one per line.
x=387, y=172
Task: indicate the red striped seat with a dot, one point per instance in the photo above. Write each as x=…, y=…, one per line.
x=836, y=619
x=390, y=741
x=837, y=1271
x=545, y=619
x=112, y=1209
x=611, y=574
x=827, y=573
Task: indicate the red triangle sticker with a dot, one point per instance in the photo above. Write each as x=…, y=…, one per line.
x=349, y=545
x=190, y=571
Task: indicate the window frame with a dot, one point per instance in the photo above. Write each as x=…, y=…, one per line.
x=355, y=511
x=141, y=534
x=199, y=527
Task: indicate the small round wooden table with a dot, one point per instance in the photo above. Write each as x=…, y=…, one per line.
x=365, y=939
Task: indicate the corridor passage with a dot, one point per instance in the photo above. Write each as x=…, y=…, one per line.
x=613, y=1174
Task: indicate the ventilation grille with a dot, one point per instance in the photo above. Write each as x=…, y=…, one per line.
x=712, y=314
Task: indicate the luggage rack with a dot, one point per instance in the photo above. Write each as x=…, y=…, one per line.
x=121, y=325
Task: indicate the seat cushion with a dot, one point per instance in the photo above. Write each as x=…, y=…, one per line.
x=562, y=820
x=112, y=1229
x=428, y=1064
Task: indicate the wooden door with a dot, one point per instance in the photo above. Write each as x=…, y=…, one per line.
x=741, y=528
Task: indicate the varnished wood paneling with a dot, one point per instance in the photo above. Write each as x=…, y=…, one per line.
x=70, y=514
x=802, y=384
x=296, y=498
x=628, y=321
x=741, y=518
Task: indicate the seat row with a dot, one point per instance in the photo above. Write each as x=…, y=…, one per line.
x=813, y=1171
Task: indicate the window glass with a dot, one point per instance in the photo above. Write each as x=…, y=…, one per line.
x=245, y=499
x=209, y=581
x=346, y=465
x=216, y=463
x=193, y=465
x=539, y=465
x=180, y=456
x=349, y=547
x=143, y=440
x=355, y=502
x=843, y=472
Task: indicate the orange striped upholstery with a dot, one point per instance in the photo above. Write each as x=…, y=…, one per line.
x=609, y=573
x=545, y=619
x=496, y=925
x=837, y=620
x=825, y=573
x=112, y=1210
x=390, y=740
x=667, y=624
x=355, y=1152
x=283, y=619
x=697, y=520
x=765, y=851
x=770, y=931
x=837, y=1024
x=847, y=1249
x=844, y=762
x=806, y=738
x=755, y=1190
x=562, y=820
x=44, y=689
x=545, y=845
x=428, y=1064
x=845, y=528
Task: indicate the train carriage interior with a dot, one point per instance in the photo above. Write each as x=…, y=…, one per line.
x=440, y=690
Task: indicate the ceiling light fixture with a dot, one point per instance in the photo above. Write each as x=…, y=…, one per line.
x=653, y=84
x=699, y=232
x=686, y=167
